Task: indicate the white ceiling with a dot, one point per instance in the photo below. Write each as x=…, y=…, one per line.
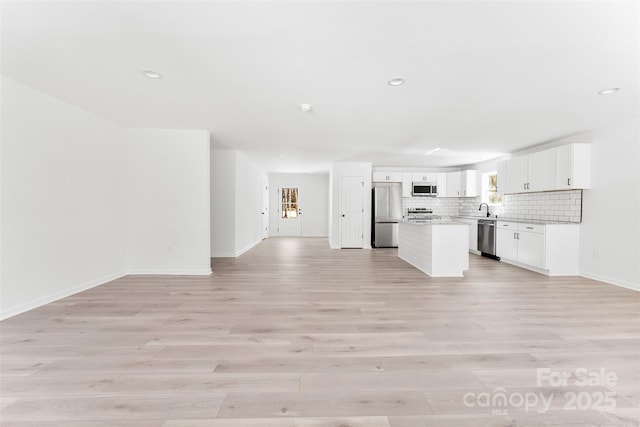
x=482, y=78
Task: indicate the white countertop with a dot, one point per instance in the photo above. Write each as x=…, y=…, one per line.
x=519, y=220
x=442, y=221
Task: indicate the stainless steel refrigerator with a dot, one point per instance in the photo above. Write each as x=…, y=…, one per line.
x=387, y=211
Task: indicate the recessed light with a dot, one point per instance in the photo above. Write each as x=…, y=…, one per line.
x=152, y=74
x=281, y=156
x=608, y=91
x=306, y=108
x=398, y=81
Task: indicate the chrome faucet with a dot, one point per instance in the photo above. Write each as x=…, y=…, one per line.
x=480, y=208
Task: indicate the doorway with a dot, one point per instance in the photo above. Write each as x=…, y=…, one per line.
x=351, y=212
x=290, y=211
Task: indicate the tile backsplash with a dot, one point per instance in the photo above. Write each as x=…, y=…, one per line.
x=563, y=206
x=440, y=206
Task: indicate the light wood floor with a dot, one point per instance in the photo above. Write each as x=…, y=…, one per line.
x=295, y=334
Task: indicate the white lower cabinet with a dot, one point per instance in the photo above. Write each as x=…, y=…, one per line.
x=550, y=249
x=531, y=248
x=506, y=243
x=473, y=233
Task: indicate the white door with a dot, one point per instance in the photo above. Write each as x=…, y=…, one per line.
x=265, y=210
x=289, y=211
x=351, y=212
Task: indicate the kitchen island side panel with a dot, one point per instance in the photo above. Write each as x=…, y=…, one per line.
x=439, y=250
x=414, y=246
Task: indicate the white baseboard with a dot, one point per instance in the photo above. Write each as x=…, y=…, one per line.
x=160, y=272
x=525, y=266
x=615, y=282
x=246, y=248
x=237, y=253
x=223, y=255
x=58, y=295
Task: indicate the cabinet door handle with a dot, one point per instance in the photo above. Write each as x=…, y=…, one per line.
x=524, y=186
x=569, y=181
x=530, y=228
x=518, y=236
x=514, y=235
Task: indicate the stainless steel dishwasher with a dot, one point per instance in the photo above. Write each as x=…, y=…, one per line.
x=487, y=237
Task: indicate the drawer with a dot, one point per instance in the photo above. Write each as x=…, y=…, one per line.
x=507, y=225
x=532, y=228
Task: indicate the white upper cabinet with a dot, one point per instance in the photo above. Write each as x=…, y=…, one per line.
x=387, y=177
x=453, y=184
x=542, y=167
x=517, y=175
x=561, y=168
x=407, y=184
x=469, y=183
x=501, y=171
x=573, y=167
x=425, y=177
x=441, y=181
x=460, y=184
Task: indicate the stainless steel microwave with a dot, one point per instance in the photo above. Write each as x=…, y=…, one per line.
x=424, y=189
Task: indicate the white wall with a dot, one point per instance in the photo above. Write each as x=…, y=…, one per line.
x=249, y=179
x=338, y=170
x=314, y=201
x=223, y=203
x=168, y=202
x=610, y=230
x=63, y=199
x=236, y=203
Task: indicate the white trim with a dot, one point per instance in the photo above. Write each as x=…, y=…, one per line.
x=202, y=272
x=237, y=253
x=527, y=267
x=245, y=249
x=58, y=295
x=610, y=281
x=549, y=273
x=223, y=255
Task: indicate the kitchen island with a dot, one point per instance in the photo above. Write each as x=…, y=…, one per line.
x=439, y=248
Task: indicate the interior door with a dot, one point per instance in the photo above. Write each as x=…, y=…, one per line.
x=290, y=211
x=265, y=210
x=351, y=212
